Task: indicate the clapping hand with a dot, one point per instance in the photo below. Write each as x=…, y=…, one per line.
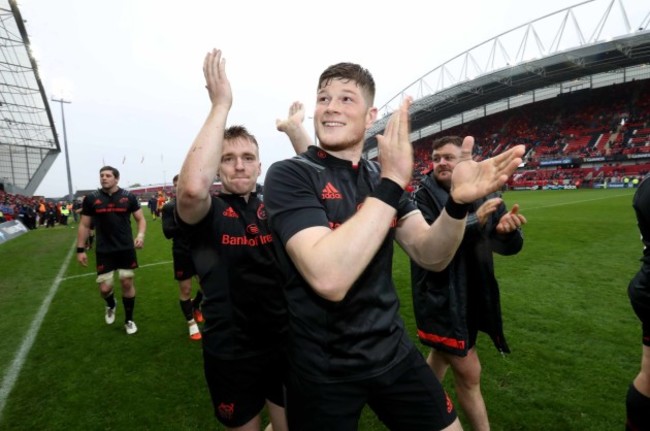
x=472, y=180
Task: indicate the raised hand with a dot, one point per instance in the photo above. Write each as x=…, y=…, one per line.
x=472, y=180
x=294, y=119
x=217, y=84
x=295, y=130
x=395, y=149
x=511, y=220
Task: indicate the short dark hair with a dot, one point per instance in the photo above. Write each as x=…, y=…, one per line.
x=441, y=142
x=350, y=72
x=115, y=172
x=175, y=178
x=234, y=132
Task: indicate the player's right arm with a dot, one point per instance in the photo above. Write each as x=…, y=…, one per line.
x=331, y=260
x=294, y=128
x=202, y=160
x=82, y=235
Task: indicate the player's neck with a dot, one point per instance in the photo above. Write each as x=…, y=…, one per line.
x=112, y=190
x=244, y=196
x=351, y=154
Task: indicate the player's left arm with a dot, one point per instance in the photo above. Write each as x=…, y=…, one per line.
x=142, y=228
x=431, y=246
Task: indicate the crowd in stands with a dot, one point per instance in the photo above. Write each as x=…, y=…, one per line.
x=599, y=135
x=602, y=134
x=35, y=211
x=145, y=193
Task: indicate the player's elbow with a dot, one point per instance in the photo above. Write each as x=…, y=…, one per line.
x=436, y=264
x=330, y=289
x=189, y=194
x=192, y=207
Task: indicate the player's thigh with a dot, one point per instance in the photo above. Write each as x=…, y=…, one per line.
x=240, y=387
x=316, y=406
x=412, y=399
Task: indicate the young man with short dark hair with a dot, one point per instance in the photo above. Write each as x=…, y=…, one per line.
x=109, y=210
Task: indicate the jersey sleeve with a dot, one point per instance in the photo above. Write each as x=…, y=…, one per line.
x=291, y=199
x=87, y=207
x=405, y=206
x=134, y=203
x=169, y=225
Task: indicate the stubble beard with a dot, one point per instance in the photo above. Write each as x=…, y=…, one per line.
x=342, y=144
x=445, y=182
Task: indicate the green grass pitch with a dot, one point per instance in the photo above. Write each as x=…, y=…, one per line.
x=575, y=341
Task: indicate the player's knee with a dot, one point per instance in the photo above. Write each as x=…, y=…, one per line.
x=125, y=273
x=467, y=382
x=106, y=280
x=185, y=288
x=469, y=375
x=637, y=406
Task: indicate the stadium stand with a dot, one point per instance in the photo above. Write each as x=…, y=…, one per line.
x=609, y=126
x=577, y=97
x=29, y=143
x=580, y=106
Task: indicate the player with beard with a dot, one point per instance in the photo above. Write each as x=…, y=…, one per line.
x=451, y=305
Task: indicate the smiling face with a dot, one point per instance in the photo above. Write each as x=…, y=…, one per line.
x=445, y=159
x=240, y=166
x=344, y=108
x=342, y=115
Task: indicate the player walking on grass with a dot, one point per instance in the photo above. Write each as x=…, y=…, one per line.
x=184, y=270
x=110, y=209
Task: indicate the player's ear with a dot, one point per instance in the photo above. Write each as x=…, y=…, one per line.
x=371, y=116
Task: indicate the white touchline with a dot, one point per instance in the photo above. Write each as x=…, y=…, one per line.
x=13, y=372
x=10, y=378
x=561, y=204
x=94, y=274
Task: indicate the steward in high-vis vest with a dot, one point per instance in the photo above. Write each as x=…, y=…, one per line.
x=65, y=213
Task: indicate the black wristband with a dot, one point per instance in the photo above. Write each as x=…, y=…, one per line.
x=388, y=191
x=81, y=249
x=456, y=210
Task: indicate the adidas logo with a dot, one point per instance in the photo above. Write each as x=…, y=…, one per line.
x=229, y=212
x=330, y=192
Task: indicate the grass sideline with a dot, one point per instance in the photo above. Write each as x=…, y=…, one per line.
x=574, y=338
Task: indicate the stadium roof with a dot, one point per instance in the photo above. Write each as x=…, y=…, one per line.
x=557, y=53
x=28, y=139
